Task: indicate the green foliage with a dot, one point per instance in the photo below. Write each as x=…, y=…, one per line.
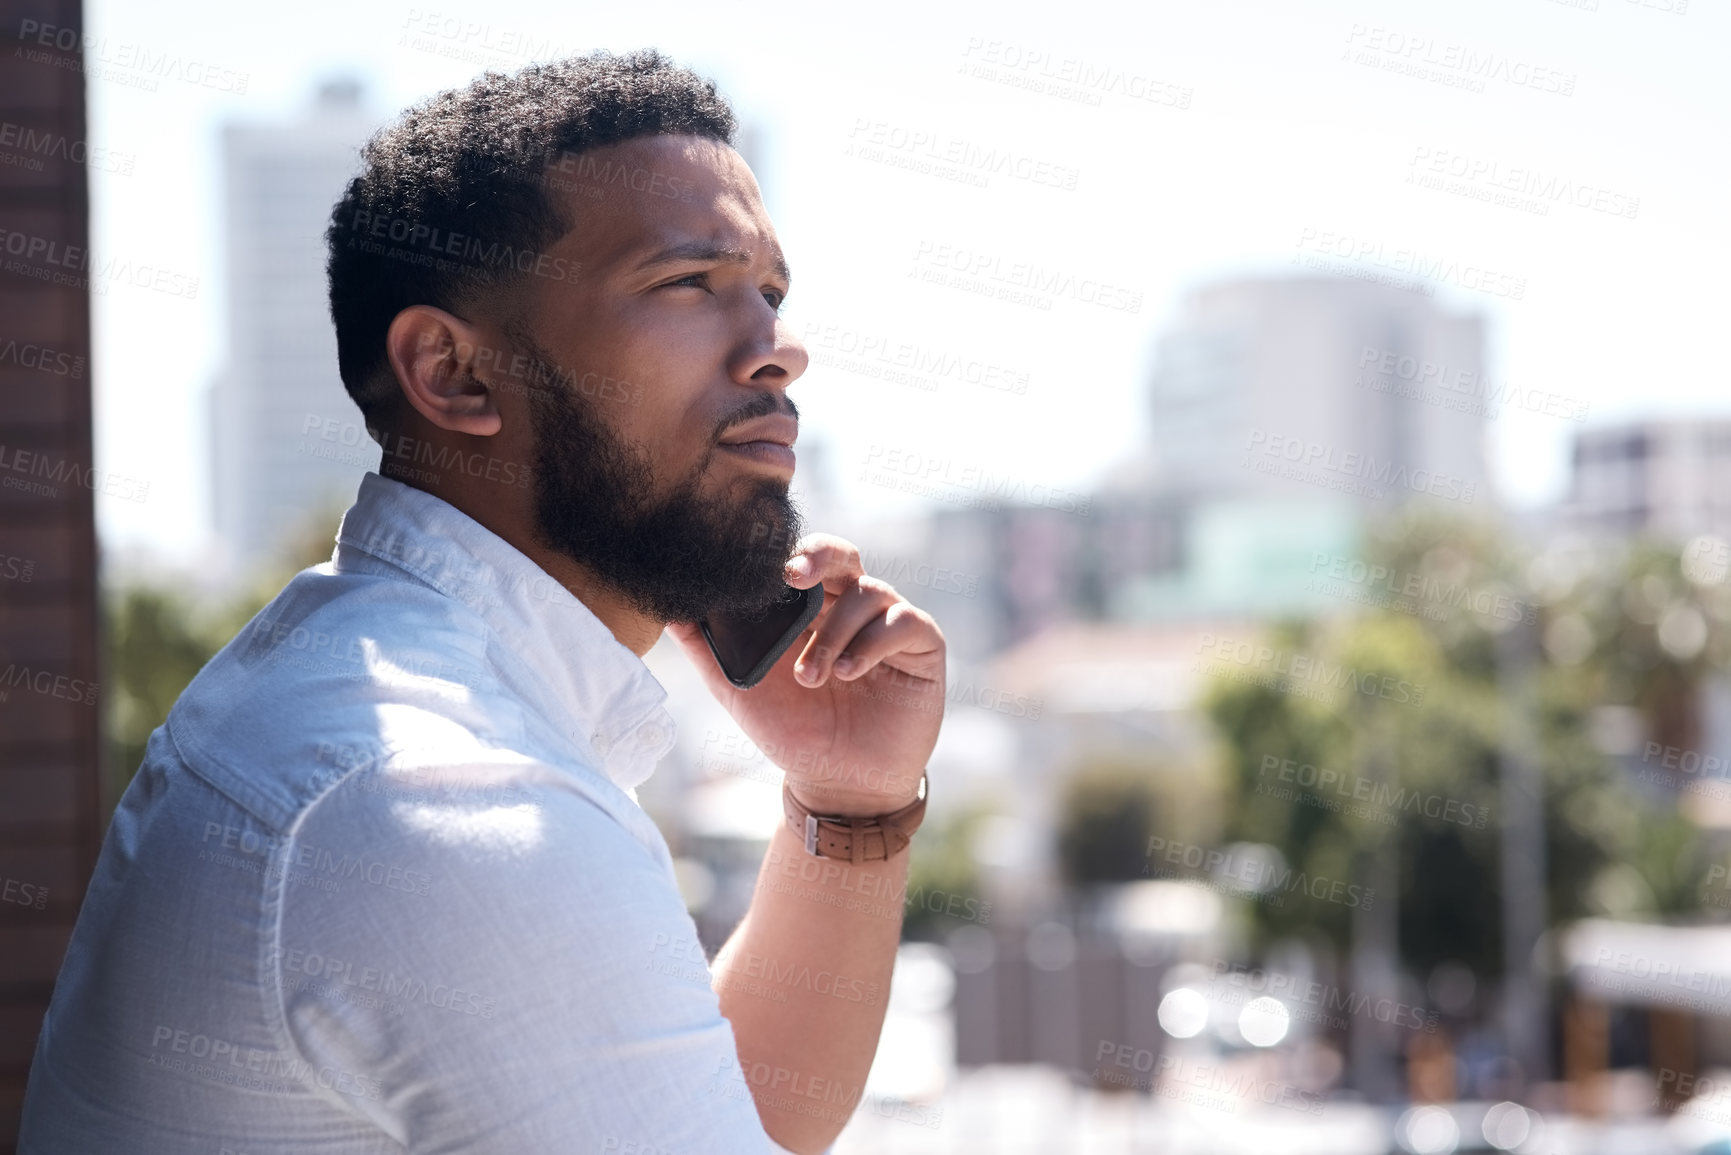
x=157, y=638
x=1422, y=778
x=156, y=643
x=1107, y=813
x=944, y=890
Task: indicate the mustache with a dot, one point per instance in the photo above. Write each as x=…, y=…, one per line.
x=760, y=405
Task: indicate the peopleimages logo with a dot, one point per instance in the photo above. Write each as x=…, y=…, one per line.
x=1388, y=587
x=1524, y=180
x=1351, y=467
x=1297, y=672
x=1388, y=371
x=932, y=472
x=963, y=267
x=869, y=139
x=1425, y=267
x=24, y=894
x=337, y=975
x=1207, y=1084
x=1360, y=796
x=42, y=358
x=135, y=65
x=36, y=145
x=55, y=262
x=67, y=689
x=1065, y=77
x=213, y=1057
x=59, y=471
x=1255, y=873
x=1457, y=65
x=463, y=248
x=1329, y=1001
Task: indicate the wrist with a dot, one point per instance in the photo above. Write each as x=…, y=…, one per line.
x=855, y=837
x=831, y=800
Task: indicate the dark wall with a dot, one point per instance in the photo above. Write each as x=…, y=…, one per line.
x=50, y=809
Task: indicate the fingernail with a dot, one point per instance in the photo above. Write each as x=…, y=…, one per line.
x=800, y=566
x=844, y=666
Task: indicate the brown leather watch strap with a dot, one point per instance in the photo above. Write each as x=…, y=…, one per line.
x=872, y=838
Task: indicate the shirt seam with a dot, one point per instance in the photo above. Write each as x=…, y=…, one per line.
x=189, y=751
x=275, y=1008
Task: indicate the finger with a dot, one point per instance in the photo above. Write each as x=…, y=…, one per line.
x=865, y=600
x=826, y=558
x=905, y=637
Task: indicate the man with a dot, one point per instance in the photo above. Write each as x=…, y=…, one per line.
x=381, y=883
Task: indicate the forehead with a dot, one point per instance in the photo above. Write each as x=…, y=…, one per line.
x=631, y=200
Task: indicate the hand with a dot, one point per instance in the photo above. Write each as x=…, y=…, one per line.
x=851, y=711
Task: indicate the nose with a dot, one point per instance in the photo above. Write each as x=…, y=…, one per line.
x=774, y=357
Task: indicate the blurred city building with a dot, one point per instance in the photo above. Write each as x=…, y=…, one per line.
x=1286, y=412
x=272, y=463
x=1341, y=366
x=1665, y=479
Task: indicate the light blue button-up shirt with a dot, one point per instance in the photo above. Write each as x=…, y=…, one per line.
x=381, y=884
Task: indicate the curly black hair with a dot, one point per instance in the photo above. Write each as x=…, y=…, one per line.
x=453, y=197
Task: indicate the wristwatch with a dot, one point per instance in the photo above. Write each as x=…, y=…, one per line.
x=871, y=838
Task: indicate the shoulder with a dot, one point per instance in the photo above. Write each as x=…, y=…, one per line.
x=360, y=624
x=473, y=862
x=340, y=667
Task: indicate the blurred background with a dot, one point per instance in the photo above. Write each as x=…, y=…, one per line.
x=1307, y=422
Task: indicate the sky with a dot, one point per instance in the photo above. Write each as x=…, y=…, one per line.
x=1155, y=147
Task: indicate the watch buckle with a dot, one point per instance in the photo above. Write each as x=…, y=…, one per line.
x=811, y=834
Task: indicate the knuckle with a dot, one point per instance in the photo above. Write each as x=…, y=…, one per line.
x=907, y=612
x=877, y=586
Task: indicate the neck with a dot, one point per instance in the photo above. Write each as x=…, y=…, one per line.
x=634, y=629
x=514, y=522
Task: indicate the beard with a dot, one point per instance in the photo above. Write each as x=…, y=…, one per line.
x=678, y=558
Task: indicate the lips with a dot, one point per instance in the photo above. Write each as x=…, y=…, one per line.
x=772, y=453
x=776, y=429
x=765, y=440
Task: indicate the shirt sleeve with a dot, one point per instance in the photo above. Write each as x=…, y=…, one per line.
x=502, y=978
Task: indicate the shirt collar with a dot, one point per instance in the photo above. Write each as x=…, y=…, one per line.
x=587, y=684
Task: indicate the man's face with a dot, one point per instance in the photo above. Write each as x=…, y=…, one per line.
x=667, y=355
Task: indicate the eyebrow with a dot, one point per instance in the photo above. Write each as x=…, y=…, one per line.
x=710, y=251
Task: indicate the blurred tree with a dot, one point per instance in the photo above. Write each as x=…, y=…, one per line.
x=944, y=890
x=155, y=646
x=1107, y=813
x=1641, y=627
x=157, y=638
x=1430, y=767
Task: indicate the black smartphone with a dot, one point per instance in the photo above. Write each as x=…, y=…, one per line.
x=746, y=645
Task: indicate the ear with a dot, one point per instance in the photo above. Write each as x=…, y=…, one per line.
x=433, y=356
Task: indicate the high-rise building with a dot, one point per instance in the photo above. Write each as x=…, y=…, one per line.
x=1285, y=413
x=1288, y=412
x=1320, y=386
x=272, y=464
x=1667, y=479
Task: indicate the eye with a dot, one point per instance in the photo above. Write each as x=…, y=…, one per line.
x=775, y=297
x=694, y=280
